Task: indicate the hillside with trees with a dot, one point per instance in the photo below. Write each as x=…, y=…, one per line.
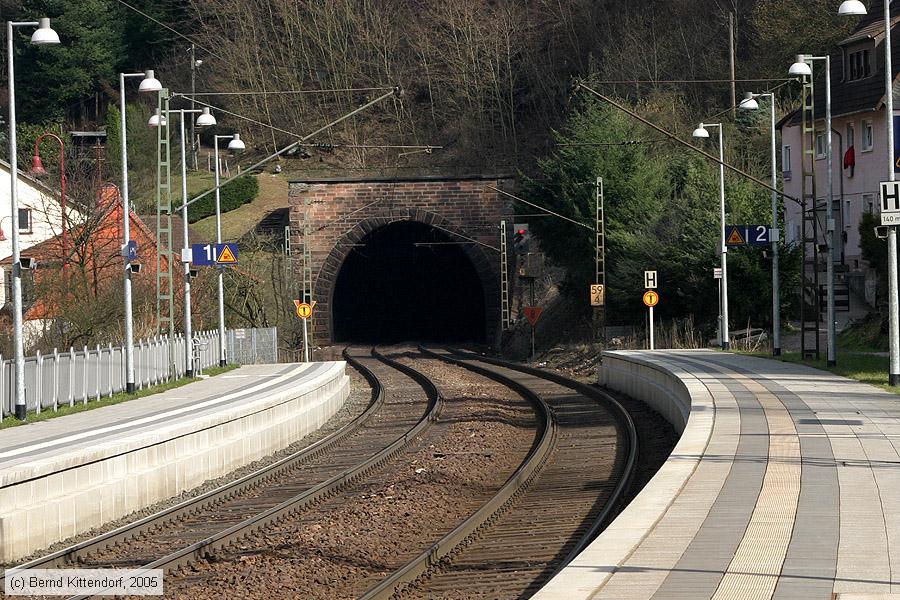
x=489, y=82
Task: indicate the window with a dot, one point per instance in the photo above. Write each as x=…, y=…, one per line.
x=868, y=136
x=868, y=202
x=851, y=135
x=858, y=64
x=821, y=146
x=25, y=220
x=786, y=161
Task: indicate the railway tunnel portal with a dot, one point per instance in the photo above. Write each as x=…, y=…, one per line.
x=395, y=259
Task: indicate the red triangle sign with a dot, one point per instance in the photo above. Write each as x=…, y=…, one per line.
x=532, y=313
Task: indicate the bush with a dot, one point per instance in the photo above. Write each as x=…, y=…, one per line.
x=237, y=193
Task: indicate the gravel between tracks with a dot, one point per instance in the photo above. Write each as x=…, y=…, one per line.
x=360, y=396
x=352, y=541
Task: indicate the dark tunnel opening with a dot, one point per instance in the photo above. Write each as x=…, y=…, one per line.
x=408, y=281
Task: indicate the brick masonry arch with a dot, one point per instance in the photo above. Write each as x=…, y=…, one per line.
x=342, y=212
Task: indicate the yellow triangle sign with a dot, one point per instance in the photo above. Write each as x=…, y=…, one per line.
x=735, y=237
x=226, y=256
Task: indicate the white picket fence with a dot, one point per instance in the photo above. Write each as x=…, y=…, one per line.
x=64, y=378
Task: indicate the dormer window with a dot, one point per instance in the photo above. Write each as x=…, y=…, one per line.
x=857, y=63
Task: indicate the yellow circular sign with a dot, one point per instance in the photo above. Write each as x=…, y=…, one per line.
x=304, y=310
x=651, y=298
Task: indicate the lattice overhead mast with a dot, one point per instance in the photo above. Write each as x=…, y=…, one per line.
x=810, y=314
x=504, y=279
x=165, y=258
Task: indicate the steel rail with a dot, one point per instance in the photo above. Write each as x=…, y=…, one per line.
x=72, y=555
x=618, y=497
x=222, y=539
x=518, y=482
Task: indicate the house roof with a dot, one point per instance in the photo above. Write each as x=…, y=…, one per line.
x=177, y=231
x=862, y=95
x=870, y=28
x=33, y=181
x=110, y=220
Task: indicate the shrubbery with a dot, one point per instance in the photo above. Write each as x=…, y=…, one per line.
x=237, y=193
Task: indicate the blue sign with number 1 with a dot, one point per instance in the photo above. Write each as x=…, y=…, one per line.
x=208, y=255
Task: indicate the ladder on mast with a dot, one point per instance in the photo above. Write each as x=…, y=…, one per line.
x=810, y=309
x=165, y=257
x=504, y=279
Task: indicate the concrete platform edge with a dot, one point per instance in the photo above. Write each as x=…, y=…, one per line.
x=687, y=404
x=65, y=497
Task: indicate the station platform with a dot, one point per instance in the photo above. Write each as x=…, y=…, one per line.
x=784, y=484
x=67, y=475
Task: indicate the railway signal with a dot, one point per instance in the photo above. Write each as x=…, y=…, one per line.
x=522, y=238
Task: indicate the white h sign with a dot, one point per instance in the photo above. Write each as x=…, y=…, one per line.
x=890, y=203
x=650, y=278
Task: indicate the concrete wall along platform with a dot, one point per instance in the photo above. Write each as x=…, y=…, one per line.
x=65, y=476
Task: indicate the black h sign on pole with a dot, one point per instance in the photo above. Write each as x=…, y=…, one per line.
x=890, y=196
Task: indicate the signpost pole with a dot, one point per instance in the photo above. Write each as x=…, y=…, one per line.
x=533, y=325
x=305, y=343
x=651, y=329
x=532, y=344
x=893, y=304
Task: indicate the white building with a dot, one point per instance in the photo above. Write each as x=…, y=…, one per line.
x=859, y=146
x=39, y=216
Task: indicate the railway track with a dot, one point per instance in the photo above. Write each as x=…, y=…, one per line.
x=200, y=526
x=564, y=490
x=551, y=508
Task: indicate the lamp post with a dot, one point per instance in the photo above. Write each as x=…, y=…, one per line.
x=42, y=36
x=38, y=170
x=203, y=120
x=235, y=145
x=149, y=84
x=702, y=133
x=855, y=7
x=802, y=68
x=749, y=103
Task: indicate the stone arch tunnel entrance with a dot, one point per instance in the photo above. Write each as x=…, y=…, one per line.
x=401, y=258
x=408, y=281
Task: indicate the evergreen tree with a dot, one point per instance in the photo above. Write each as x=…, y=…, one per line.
x=54, y=80
x=662, y=213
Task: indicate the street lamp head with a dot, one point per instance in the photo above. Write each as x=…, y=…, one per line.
x=205, y=119
x=37, y=167
x=701, y=132
x=157, y=120
x=149, y=83
x=749, y=102
x=44, y=35
x=850, y=8
x=800, y=67
x=237, y=144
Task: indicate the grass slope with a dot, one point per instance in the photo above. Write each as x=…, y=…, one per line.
x=273, y=194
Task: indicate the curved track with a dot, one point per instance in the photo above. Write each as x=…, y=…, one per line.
x=547, y=513
x=565, y=489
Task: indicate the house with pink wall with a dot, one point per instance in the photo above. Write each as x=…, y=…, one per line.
x=859, y=146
